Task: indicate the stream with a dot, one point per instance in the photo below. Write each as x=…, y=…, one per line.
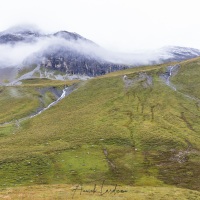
x=66, y=91
x=170, y=71
x=167, y=76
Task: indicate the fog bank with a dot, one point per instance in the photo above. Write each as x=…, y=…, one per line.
x=15, y=55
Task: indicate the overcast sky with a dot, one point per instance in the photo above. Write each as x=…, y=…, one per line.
x=118, y=25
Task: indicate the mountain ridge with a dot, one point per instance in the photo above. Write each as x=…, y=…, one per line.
x=72, y=55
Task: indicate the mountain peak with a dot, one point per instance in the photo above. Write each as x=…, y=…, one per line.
x=179, y=53
x=70, y=36
x=22, y=29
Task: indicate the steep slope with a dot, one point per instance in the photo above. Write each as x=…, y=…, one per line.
x=130, y=129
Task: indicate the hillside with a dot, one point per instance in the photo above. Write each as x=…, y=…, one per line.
x=137, y=127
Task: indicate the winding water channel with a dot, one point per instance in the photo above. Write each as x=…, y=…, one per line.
x=66, y=91
x=170, y=72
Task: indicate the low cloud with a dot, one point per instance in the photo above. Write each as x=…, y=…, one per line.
x=15, y=55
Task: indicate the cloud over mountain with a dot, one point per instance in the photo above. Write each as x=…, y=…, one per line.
x=24, y=45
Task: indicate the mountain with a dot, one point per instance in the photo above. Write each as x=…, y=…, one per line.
x=71, y=55
x=19, y=34
x=64, y=51
x=26, y=34
x=176, y=53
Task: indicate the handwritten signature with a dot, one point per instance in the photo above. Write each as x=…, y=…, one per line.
x=101, y=191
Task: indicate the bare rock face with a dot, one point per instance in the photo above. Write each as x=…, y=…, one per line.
x=141, y=78
x=74, y=63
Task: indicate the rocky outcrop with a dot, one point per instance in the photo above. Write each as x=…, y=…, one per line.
x=141, y=78
x=72, y=63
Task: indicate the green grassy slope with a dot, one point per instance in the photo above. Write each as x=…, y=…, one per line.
x=187, y=80
x=17, y=102
x=138, y=132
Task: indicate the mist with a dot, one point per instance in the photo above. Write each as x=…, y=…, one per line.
x=31, y=52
